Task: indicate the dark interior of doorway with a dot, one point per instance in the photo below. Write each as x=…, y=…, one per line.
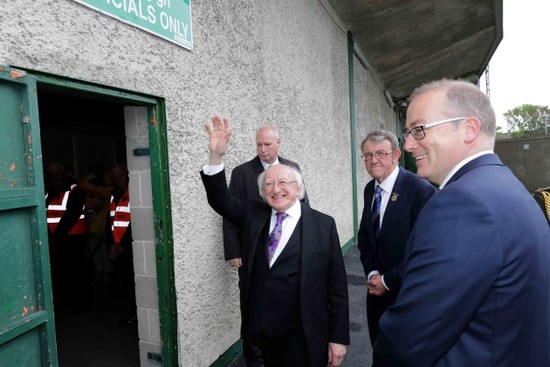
x=80, y=131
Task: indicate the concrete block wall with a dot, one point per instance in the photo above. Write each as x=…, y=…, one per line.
x=528, y=158
x=137, y=137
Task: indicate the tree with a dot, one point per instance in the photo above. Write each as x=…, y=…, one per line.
x=528, y=120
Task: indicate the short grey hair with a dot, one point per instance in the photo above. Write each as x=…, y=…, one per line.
x=463, y=99
x=380, y=135
x=297, y=176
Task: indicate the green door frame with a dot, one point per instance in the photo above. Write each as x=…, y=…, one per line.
x=162, y=213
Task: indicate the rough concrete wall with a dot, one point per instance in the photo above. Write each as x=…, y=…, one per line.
x=281, y=62
x=372, y=112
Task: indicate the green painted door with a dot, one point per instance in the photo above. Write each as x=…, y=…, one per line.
x=27, y=333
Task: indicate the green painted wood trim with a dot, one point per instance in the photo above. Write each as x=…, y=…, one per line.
x=33, y=198
x=164, y=243
x=91, y=88
x=348, y=245
x=23, y=325
x=161, y=201
x=353, y=142
x=230, y=355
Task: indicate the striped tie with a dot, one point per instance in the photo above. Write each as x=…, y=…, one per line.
x=376, y=210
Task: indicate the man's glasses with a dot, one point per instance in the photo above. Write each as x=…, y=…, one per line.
x=418, y=132
x=281, y=183
x=378, y=155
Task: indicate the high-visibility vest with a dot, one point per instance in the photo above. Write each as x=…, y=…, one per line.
x=120, y=216
x=57, y=208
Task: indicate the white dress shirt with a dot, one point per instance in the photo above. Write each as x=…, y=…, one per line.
x=289, y=224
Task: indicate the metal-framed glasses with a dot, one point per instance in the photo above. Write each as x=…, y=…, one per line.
x=378, y=155
x=418, y=132
x=270, y=185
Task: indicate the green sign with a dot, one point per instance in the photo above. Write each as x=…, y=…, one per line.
x=169, y=19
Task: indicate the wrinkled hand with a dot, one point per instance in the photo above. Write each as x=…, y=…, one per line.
x=236, y=263
x=336, y=354
x=375, y=285
x=219, y=134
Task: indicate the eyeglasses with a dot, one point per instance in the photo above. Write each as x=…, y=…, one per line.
x=379, y=155
x=418, y=132
x=270, y=185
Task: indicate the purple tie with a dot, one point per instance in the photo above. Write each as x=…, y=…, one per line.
x=275, y=236
x=376, y=210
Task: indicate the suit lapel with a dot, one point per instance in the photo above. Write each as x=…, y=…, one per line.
x=309, y=230
x=484, y=160
x=257, y=166
x=256, y=229
x=393, y=205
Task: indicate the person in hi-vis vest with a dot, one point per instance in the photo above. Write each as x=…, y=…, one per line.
x=120, y=250
x=67, y=239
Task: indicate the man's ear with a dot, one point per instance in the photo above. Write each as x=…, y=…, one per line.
x=396, y=155
x=472, y=129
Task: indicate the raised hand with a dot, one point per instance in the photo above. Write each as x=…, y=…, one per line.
x=219, y=133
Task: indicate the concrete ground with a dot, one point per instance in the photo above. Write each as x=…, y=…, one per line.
x=99, y=335
x=359, y=352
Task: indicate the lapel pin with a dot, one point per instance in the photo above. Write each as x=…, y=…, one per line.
x=394, y=196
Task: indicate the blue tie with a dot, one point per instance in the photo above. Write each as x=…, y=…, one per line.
x=275, y=236
x=376, y=210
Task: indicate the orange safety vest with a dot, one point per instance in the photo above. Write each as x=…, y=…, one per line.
x=120, y=216
x=57, y=208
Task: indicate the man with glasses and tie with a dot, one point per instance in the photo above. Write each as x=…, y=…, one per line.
x=476, y=274
x=392, y=201
x=294, y=287
x=244, y=185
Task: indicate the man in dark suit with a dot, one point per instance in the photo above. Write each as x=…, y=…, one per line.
x=244, y=186
x=402, y=196
x=476, y=282
x=294, y=288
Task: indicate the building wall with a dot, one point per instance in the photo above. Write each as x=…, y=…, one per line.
x=280, y=62
x=528, y=158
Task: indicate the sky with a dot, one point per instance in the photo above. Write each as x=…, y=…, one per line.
x=519, y=69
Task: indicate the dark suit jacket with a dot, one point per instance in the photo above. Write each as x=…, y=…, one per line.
x=244, y=186
x=411, y=193
x=476, y=286
x=323, y=286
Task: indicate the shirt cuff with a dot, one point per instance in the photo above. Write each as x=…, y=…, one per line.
x=372, y=273
x=212, y=170
x=384, y=283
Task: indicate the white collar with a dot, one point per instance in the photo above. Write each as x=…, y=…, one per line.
x=462, y=164
x=295, y=211
x=389, y=182
x=266, y=165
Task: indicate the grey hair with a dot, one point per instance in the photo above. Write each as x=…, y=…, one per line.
x=269, y=127
x=380, y=135
x=463, y=99
x=297, y=176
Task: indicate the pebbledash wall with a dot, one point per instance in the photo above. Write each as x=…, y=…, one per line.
x=280, y=62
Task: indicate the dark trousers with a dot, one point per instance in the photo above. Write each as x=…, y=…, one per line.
x=251, y=350
x=289, y=350
x=376, y=306
x=71, y=271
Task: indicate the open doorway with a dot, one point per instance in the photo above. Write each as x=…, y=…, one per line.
x=86, y=134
